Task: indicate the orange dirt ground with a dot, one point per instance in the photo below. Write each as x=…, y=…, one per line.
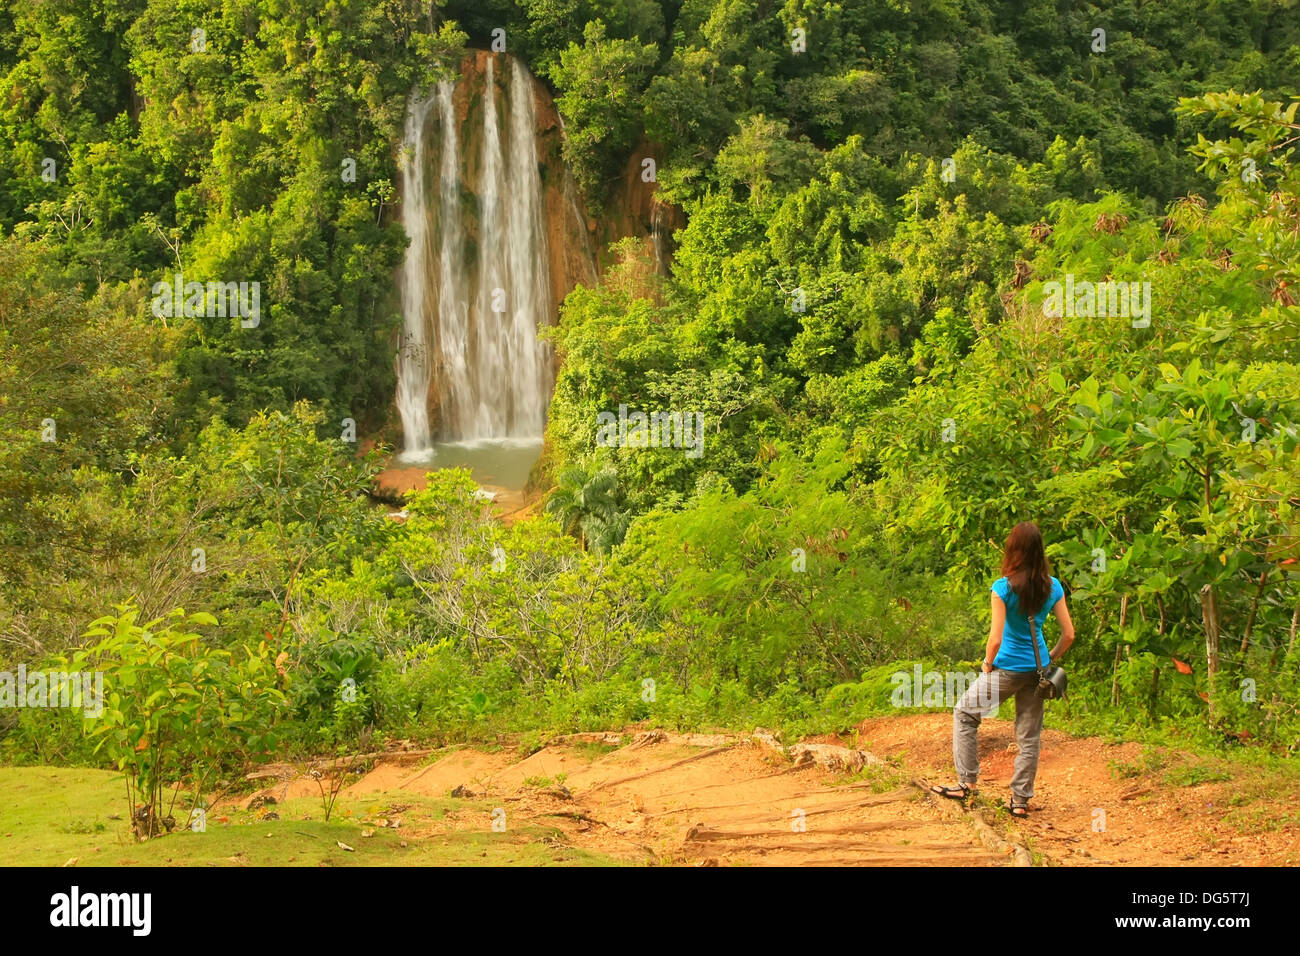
x=1148, y=822
x=669, y=799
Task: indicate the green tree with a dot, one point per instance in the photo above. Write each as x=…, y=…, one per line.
x=588, y=503
x=600, y=83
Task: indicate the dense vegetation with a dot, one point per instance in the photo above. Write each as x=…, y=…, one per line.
x=876, y=196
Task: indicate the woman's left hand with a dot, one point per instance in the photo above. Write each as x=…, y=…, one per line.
x=988, y=668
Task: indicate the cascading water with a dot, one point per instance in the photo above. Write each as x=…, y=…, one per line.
x=413, y=356
x=530, y=300
x=490, y=358
x=474, y=318
x=453, y=308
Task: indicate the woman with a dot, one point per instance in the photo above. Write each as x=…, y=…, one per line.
x=1026, y=587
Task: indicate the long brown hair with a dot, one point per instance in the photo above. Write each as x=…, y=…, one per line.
x=1024, y=563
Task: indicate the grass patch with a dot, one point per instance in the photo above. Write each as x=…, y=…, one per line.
x=1192, y=774
x=878, y=779
x=592, y=751
x=1261, y=819
x=1173, y=769
x=1264, y=801
x=1153, y=760
x=53, y=815
x=542, y=783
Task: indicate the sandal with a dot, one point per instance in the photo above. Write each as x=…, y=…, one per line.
x=959, y=792
x=1020, y=810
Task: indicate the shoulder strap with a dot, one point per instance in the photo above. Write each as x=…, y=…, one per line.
x=1033, y=639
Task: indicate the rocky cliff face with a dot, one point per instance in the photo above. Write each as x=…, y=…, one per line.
x=637, y=210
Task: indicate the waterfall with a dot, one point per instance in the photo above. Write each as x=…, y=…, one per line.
x=413, y=367
x=453, y=308
x=486, y=374
x=529, y=262
x=488, y=416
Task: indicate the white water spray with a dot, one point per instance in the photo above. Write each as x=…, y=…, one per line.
x=413, y=355
x=489, y=375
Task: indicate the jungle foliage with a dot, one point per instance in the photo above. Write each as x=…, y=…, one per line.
x=876, y=196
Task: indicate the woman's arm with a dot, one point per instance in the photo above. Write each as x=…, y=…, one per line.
x=1067, y=630
x=995, y=632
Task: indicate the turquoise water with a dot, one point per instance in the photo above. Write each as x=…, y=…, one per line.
x=503, y=463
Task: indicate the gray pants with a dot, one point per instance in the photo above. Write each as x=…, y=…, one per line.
x=993, y=688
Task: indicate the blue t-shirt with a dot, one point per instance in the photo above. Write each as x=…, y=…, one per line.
x=1016, y=652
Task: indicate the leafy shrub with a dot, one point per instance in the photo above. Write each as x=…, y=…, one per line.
x=176, y=708
x=432, y=690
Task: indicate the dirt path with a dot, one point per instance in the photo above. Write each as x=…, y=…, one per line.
x=702, y=800
x=671, y=799
x=1098, y=803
